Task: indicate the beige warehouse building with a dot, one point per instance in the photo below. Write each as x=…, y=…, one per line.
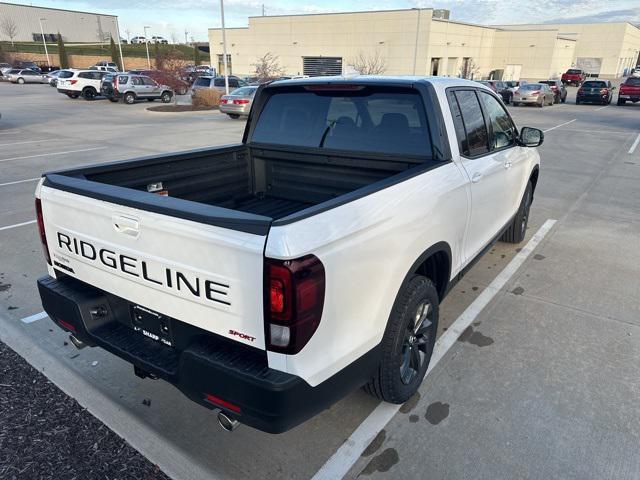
x=426, y=42
x=73, y=26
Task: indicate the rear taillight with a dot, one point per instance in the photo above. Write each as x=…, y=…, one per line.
x=240, y=102
x=294, y=297
x=43, y=236
x=73, y=82
x=224, y=101
x=604, y=91
x=535, y=94
x=115, y=84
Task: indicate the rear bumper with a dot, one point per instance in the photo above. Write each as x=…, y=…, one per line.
x=235, y=109
x=200, y=363
x=527, y=100
x=592, y=98
x=631, y=98
x=66, y=91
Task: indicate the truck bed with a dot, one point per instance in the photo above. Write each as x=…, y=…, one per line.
x=223, y=183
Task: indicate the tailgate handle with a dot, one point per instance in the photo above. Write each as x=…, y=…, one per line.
x=126, y=225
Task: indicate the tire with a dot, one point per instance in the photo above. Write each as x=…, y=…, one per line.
x=166, y=97
x=516, y=231
x=621, y=102
x=515, y=104
x=564, y=99
x=129, y=98
x=20, y=81
x=235, y=116
x=89, y=94
x=577, y=102
x=406, y=351
x=541, y=104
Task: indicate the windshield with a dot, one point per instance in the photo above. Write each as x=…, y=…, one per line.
x=244, y=91
x=593, y=84
x=363, y=120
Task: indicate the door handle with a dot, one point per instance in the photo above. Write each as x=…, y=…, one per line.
x=126, y=225
x=476, y=177
x=508, y=164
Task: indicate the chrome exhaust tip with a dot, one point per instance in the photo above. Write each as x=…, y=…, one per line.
x=79, y=344
x=227, y=423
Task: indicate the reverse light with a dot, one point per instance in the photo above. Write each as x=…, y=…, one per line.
x=294, y=297
x=43, y=236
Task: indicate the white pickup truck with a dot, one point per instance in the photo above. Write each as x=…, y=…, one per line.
x=268, y=279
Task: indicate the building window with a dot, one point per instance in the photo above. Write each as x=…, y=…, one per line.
x=221, y=64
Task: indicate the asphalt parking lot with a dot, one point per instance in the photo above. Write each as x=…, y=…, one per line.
x=542, y=384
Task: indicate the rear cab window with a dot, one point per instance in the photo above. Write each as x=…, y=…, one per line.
x=388, y=121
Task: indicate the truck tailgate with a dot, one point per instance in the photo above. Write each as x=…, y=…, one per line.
x=205, y=275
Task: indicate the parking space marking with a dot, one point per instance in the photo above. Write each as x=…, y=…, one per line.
x=635, y=145
x=9, y=227
x=20, y=143
x=346, y=456
x=600, y=108
x=19, y=181
x=561, y=125
x=34, y=317
x=51, y=154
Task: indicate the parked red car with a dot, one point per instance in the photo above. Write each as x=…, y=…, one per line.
x=574, y=76
x=629, y=91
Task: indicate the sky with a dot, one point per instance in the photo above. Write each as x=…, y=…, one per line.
x=171, y=18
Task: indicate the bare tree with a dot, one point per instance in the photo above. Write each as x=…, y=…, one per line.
x=10, y=28
x=174, y=37
x=469, y=69
x=170, y=64
x=267, y=67
x=369, y=63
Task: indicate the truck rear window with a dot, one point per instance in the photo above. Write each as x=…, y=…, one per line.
x=363, y=120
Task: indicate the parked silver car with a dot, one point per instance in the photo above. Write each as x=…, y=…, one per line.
x=238, y=103
x=130, y=88
x=20, y=76
x=538, y=94
x=216, y=83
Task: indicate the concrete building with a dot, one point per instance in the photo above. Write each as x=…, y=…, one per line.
x=426, y=42
x=81, y=27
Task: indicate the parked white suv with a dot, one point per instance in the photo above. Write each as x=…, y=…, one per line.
x=82, y=82
x=270, y=278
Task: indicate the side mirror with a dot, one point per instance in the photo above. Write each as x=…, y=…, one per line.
x=531, y=137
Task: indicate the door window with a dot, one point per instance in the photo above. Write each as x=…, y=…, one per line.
x=149, y=82
x=502, y=128
x=467, y=112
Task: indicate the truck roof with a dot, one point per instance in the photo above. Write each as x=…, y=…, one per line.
x=400, y=80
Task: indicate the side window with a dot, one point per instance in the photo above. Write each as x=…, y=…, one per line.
x=136, y=81
x=219, y=82
x=502, y=128
x=459, y=125
x=477, y=141
x=84, y=75
x=148, y=81
x=233, y=83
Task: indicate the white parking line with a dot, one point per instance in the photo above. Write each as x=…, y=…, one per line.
x=9, y=227
x=20, y=143
x=34, y=318
x=51, y=154
x=635, y=145
x=600, y=108
x=19, y=181
x=561, y=125
x=347, y=455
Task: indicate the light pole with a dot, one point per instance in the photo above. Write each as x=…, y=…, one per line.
x=224, y=50
x=415, y=48
x=120, y=44
x=146, y=42
x=46, y=52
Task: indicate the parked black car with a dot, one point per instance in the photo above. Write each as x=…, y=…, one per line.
x=559, y=90
x=595, y=91
x=501, y=88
